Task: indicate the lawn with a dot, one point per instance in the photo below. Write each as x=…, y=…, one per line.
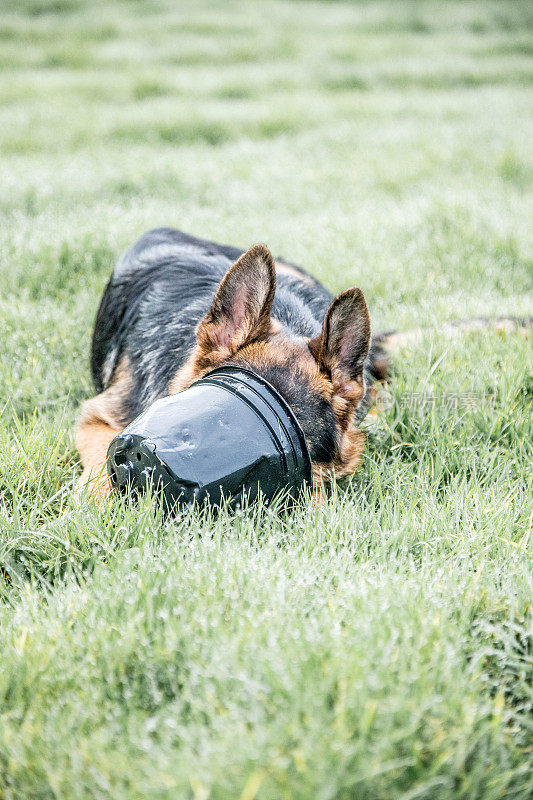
x=377, y=646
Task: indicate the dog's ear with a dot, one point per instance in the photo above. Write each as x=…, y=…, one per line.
x=342, y=347
x=240, y=312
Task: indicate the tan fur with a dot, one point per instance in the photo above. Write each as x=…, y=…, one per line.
x=351, y=448
x=347, y=396
x=278, y=350
x=203, y=358
x=186, y=374
x=99, y=423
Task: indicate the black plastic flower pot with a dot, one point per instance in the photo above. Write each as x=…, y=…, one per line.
x=227, y=437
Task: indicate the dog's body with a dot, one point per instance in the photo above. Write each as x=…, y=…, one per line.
x=177, y=306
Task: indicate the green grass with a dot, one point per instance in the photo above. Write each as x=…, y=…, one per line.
x=377, y=646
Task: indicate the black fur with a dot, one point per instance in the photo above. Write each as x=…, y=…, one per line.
x=160, y=290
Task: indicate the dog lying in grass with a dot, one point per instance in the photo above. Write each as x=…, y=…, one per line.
x=177, y=306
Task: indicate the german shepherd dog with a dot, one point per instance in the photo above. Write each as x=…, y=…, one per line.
x=177, y=306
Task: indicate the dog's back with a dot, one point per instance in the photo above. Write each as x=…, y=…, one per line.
x=155, y=280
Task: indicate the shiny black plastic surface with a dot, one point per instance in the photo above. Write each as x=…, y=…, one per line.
x=228, y=436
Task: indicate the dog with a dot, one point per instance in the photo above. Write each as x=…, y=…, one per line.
x=177, y=306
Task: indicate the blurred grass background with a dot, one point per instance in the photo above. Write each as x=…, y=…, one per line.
x=378, y=646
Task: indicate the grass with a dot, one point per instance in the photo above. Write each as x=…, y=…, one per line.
x=375, y=646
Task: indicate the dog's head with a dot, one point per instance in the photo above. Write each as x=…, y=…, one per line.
x=321, y=378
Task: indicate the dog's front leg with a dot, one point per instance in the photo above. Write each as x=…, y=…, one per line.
x=96, y=429
x=102, y=417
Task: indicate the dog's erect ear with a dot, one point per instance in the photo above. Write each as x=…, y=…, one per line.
x=241, y=309
x=342, y=347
